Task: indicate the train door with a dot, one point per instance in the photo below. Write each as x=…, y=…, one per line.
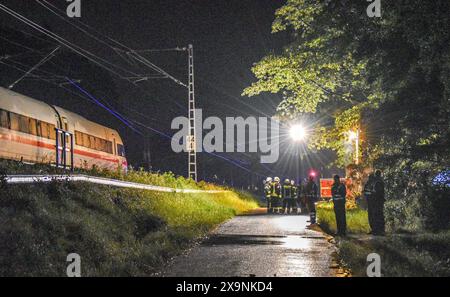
x=64, y=145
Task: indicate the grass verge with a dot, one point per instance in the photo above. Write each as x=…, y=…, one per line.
x=402, y=255
x=117, y=232
x=357, y=219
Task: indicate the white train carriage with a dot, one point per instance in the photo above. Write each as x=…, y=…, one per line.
x=36, y=132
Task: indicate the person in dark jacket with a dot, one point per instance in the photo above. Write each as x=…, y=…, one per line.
x=378, y=200
x=368, y=191
x=295, y=205
x=311, y=195
x=338, y=193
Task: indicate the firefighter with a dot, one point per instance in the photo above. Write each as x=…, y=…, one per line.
x=287, y=195
x=294, y=197
x=338, y=193
x=275, y=192
x=378, y=200
x=368, y=191
x=267, y=193
x=311, y=195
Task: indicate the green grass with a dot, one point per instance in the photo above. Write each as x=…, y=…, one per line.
x=405, y=255
x=117, y=232
x=357, y=219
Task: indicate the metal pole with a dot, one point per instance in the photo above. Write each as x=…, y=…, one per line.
x=357, y=147
x=191, y=141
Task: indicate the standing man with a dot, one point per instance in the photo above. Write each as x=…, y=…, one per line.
x=294, y=198
x=268, y=193
x=311, y=195
x=338, y=192
x=286, y=193
x=275, y=193
x=368, y=191
x=378, y=205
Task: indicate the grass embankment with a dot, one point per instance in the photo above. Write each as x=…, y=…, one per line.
x=357, y=220
x=402, y=255
x=117, y=232
x=405, y=254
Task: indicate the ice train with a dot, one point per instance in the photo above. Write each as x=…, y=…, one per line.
x=36, y=132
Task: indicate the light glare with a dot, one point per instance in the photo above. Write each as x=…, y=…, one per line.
x=297, y=132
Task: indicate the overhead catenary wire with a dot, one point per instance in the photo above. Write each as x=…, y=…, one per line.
x=127, y=121
x=85, y=53
x=128, y=51
x=90, y=56
x=45, y=59
x=122, y=51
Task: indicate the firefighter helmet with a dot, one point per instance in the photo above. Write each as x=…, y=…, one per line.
x=277, y=179
x=268, y=179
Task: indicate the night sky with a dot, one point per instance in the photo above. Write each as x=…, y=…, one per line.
x=228, y=37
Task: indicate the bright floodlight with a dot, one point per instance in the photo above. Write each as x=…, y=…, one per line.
x=352, y=135
x=297, y=132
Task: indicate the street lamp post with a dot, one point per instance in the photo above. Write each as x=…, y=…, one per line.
x=297, y=134
x=354, y=136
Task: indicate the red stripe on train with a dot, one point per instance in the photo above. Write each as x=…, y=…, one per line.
x=38, y=143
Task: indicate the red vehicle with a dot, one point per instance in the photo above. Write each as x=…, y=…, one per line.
x=325, y=186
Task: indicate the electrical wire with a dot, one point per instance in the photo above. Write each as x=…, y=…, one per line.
x=136, y=55
x=85, y=53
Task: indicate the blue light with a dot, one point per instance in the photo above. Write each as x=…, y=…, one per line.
x=442, y=179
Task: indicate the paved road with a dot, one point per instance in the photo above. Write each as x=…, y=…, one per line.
x=259, y=245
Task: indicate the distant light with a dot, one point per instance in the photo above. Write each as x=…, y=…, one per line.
x=297, y=132
x=352, y=135
x=312, y=173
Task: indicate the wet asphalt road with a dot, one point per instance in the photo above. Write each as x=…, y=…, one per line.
x=259, y=245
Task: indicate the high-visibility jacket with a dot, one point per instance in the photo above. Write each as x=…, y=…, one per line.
x=275, y=190
x=287, y=191
x=267, y=190
x=294, y=192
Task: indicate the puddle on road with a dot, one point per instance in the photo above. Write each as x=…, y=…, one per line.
x=289, y=241
x=233, y=239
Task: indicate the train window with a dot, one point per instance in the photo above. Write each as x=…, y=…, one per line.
x=86, y=142
x=78, y=138
x=44, y=130
x=99, y=144
x=52, y=131
x=120, y=150
x=14, y=121
x=4, y=119
x=24, y=125
x=33, y=127
x=109, y=147
x=92, y=142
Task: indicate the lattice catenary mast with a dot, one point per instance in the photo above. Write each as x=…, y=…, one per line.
x=190, y=140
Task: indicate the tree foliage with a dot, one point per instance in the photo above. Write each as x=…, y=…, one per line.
x=388, y=76
x=353, y=67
